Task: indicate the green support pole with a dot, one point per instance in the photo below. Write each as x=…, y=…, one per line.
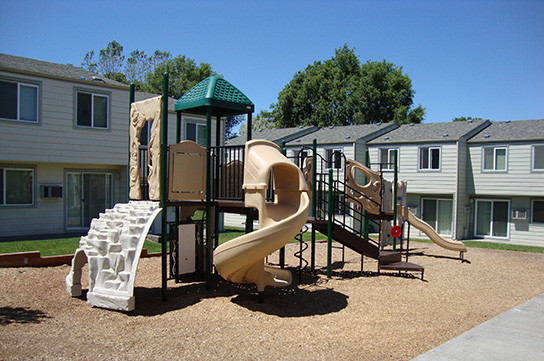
x=178, y=139
x=365, y=217
x=329, y=226
x=313, y=210
x=208, y=199
x=249, y=216
x=314, y=179
x=131, y=100
x=249, y=126
x=216, y=190
x=282, y=249
x=164, y=162
x=395, y=195
x=365, y=224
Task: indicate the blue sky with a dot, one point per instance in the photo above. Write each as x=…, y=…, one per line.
x=465, y=58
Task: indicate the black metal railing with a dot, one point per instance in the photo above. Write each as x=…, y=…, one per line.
x=227, y=172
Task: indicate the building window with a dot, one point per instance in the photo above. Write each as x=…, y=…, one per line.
x=334, y=158
x=538, y=157
x=537, y=211
x=19, y=101
x=494, y=158
x=492, y=218
x=197, y=133
x=438, y=214
x=92, y=110
x=429, y=158
x=387, y=160
x=16, y=186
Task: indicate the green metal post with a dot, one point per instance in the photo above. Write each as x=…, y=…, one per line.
x=208, y=199
x=216, y=190
x=313, y=210
x=282, y=249
x=365, y=222
x=164, y=162
x=329, y=226
x=131, y=100
x=314, y=178
x=395, y=195
x=178, y=139
x=249, y=126
x=365, y=216
x=249, y=215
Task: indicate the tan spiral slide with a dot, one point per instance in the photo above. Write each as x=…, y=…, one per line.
x=241, y=260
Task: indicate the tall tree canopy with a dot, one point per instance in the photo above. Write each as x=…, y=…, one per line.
x=341, y=91
x=146, y=70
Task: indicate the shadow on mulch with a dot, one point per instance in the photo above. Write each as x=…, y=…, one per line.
x=20, y=315
x=284, y=302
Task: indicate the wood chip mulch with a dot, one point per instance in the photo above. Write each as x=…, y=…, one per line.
x=352, y=316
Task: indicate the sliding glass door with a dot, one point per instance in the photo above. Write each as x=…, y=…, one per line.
x=438, y=213
x=88, y=194
x=492, y=218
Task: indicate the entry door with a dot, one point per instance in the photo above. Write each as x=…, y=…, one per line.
x=88, y=195
x=492, y=218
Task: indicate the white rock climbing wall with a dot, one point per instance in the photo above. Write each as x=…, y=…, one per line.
x=112, y=248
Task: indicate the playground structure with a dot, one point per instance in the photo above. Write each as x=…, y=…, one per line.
x=257, y=180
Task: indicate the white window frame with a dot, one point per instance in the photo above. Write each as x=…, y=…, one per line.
x=32, y=190
x=533, y=157
x=92, y=94
x=330, y=162
x=429, y=150
x=387, y=165
x=491, y=230
x=533, y=210
x=31, y=85
x=495, y=148
x=435, y=226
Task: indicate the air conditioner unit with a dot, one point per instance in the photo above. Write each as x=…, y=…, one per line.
x=519, y=214
x=50, y=191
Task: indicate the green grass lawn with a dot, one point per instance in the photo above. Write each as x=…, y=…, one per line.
x=64, y=246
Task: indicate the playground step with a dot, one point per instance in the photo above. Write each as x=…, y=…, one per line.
x=402, y=266
x=388, y=257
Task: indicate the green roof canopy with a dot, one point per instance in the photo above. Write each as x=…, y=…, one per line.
x=216, y=93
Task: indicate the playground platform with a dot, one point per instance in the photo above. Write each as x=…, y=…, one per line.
x=516, y=334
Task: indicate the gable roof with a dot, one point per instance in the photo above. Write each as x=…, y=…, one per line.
x=517, y=130
x=345, y=134
x=275, y=135
x=29, y=66
x=432, y=132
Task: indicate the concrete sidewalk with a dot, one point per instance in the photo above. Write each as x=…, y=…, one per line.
x=517, y=334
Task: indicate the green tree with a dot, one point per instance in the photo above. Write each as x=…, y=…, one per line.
x=183, y=72
x=263, y=120
x=146, y=72
x=111, y=62
x=464, y=119
x=341, y=91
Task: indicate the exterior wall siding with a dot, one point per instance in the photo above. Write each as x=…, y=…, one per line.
x=419, y=181
x=46, y=216
x=517, y=180
x=57, y=139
